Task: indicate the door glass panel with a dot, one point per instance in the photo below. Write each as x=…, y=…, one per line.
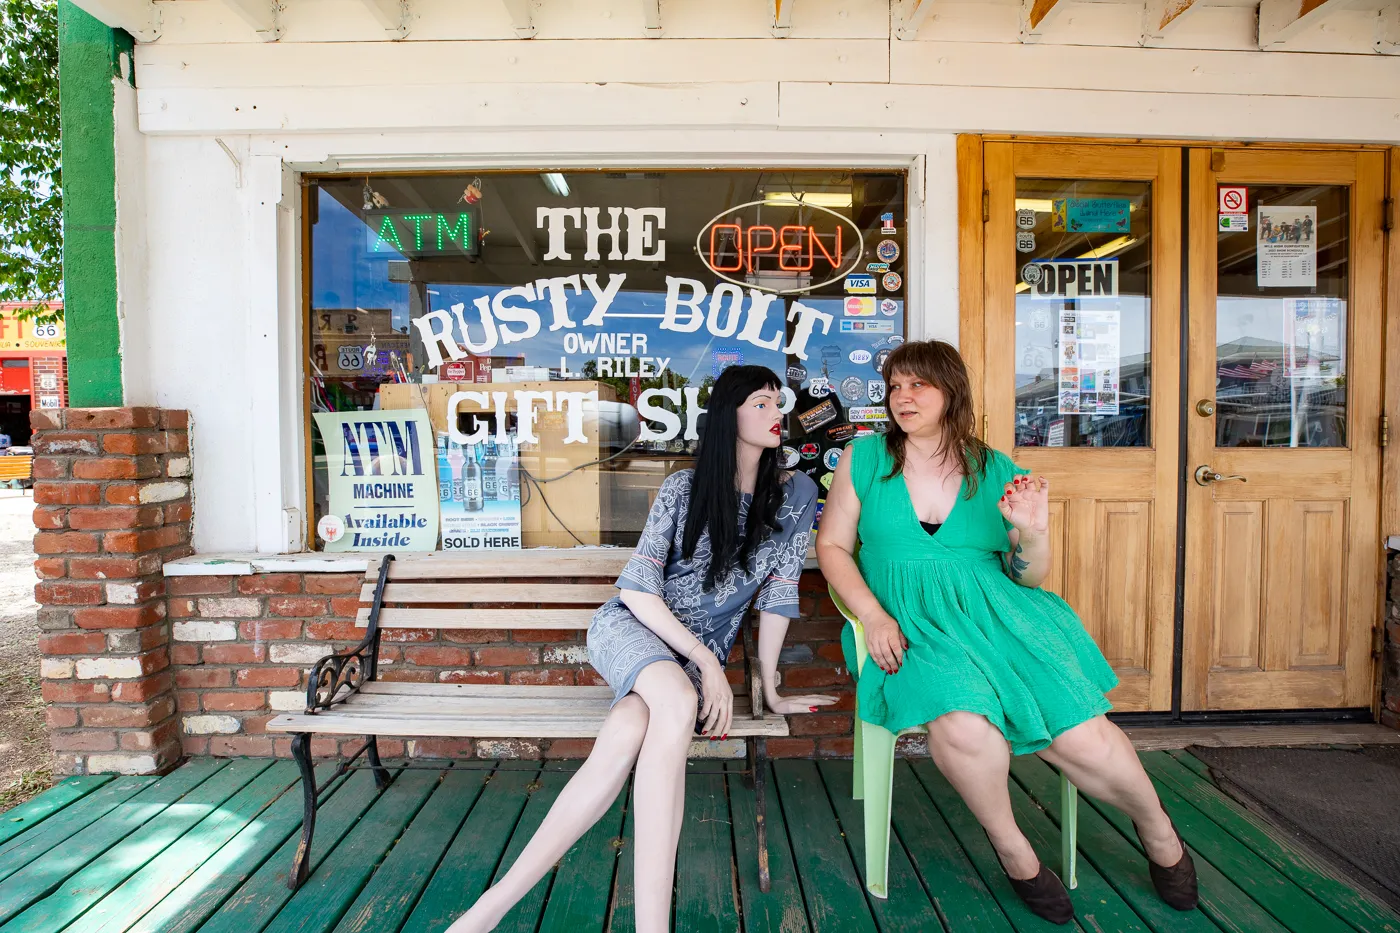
x=1083, y=312
x=1281, y=316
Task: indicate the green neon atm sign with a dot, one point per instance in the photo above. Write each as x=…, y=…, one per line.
x=421, y=233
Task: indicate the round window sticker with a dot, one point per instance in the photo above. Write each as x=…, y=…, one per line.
x=331, y=528
x=887, y=250
x=789, y=458
x=853, y=388
x=891, y=281
x=1030, y=273
x=889, y=307
x=810, y=451
x=859, y=356
x=880, y=360
x=832, y=457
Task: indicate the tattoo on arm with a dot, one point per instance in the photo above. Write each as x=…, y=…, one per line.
x=1016, y=564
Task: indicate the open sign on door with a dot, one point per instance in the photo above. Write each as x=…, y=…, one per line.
x=1073, y=278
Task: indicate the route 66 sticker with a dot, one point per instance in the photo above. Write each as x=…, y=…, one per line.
x=1025, y=242
x=1025, y=218
x=351, y=359
x=1031, y=273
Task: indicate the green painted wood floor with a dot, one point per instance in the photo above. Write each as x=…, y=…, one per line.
x=208, y=846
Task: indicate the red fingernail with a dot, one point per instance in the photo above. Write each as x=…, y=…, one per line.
x=811, y=709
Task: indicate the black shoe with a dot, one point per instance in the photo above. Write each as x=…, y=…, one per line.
x=1044, y=894
x=1175, y=884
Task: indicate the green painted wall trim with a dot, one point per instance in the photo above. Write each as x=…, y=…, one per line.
x=87, y=55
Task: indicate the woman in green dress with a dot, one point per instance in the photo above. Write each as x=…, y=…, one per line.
x=953, y=546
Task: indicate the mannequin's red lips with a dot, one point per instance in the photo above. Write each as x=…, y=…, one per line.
x=777, y=429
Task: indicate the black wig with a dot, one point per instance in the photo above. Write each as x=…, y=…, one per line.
x=714, y=499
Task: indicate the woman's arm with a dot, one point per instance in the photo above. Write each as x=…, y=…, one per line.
x=718, y=709
x=772, y=629
x=1026, y=505
x=836, y=545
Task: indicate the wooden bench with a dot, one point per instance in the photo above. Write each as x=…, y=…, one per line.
x=551, y=590
x=16, y=468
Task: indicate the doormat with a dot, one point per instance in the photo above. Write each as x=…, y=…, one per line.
x=1343, y=803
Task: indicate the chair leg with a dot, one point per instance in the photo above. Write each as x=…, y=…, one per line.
x=758, y=764
x=857, y=770
x=381, y=773
x=301, y=751
x=877, y=765
x=1069, y=832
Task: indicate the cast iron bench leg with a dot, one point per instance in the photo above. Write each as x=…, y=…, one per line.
x=381, y=773
x=758, y=765
x=301, y=751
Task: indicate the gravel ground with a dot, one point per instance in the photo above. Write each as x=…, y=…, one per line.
x=25, y=763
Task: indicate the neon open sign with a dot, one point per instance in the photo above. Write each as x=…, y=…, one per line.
x=730, y=247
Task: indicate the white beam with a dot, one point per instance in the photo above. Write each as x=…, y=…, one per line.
x=782, y=17
x=519, y=11
x=141, y=18
x=1388, y=31
x=265, y=16
x=1037, y=16
x=1159, y=17
x=396, y=16
x=909, y=16
x=651, y=11
x=1281, y=20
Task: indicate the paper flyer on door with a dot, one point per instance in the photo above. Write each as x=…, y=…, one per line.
x=1286, y=241
x=379, y=472
x=479, y=493
x=1089, y=360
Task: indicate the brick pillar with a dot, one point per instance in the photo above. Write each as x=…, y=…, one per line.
x=112, y=505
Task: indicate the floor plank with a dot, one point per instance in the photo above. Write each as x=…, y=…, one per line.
x=832, y=890
x=578, y=899
x=162, y=874
x=1362, y=912
x=475, y=853
x=40, y=877
x=622, y=916
x=1161, y=738
x=196, y=898
x=385, y=901
x=29, y=845
x=27, y=815
x=704, y=886
x=780, y=910
x=908, y=907
x=525, y=915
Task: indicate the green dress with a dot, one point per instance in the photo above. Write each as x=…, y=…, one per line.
x=978, y=641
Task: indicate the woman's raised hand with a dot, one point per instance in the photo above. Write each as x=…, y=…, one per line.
x=1026, y=504
x=717, y=710
x=885, y=642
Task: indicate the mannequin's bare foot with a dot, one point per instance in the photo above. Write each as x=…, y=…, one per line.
x=483, y=916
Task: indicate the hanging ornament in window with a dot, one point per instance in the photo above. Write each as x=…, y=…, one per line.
x=373, y=199
x=472, y=193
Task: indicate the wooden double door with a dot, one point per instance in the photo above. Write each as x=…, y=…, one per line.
x=1188, y=344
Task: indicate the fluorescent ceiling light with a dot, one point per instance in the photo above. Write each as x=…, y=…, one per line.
x=815, y=198
x=556, y=183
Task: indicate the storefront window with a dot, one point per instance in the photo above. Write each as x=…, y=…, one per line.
x=562, y=329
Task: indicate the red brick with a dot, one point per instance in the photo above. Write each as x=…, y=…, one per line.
x=407, y=675
x=439, y=656
x=65, y=542
x=116, y=468
x=105, y=568
x=184, y=654
x=114, y=516
x=174, y=419
x=132, y=445
x=139, y=691
x=50, y=568
x=470, y=677
x=69, y=691
x=815, y=677
x=67, y=494
x=127, y=717
x=197, y=745
x=190, y=677
x=791, y=748
x=147, y=739
x=49, y=468
x=831, y=651
x=819, y=724
x=333, y=584
x=296, y=606
x=104, y=419
x=325, y=748
x=46, y=419
x=178, y=512
x=506, y=657
x=181, y=607
x=177, y=442
x=49, y=519
x=553, y=678
x=134, y=542
x=815, y=631
x=69, y=594
x=392, y=748
x=442, y=748
x=555, y=636
x=346, y=606
x=466, y=636
x=235, y=654
x=266, y=584
x=66, y=443
x=269, y=677
x=588, y=677
x=409, y=635
x=225, y=702
x=269, y=629
x=60, y=717
x=199, y=586
x=73, y=643
x=569, y=748
x=188, y=700
x=123, y=493
x=334, y=631
x=257, y=725
x=120, y=616
x=83, y=741
x=240, y=746
x=836, y=748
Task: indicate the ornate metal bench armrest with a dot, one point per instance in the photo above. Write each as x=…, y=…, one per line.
x=352, y=667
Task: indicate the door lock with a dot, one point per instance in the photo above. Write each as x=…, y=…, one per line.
x=1205, y=408
x=1205, y=476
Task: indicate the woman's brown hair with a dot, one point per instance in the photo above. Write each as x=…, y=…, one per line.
x=941, y=366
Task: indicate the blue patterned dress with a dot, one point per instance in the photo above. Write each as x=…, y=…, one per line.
x=620, y=645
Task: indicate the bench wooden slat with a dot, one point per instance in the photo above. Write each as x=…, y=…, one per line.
x=396, y=617
x=455, y=727
x=493, y=707
x=591, y=594
x=536, y=562
x=399, y=688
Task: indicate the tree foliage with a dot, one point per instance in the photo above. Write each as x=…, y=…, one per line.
x=31, y=193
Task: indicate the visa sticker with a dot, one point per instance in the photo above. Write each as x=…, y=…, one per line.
x=860, y=284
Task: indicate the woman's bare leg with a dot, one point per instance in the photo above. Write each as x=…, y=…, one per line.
x=658, y=792
x=1101, y=761
x=974, y=757
x=582, y=802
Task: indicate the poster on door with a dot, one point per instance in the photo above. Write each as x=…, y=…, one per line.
x=1090, y=374
x=1287, y=247
x=1312, y=343
x=479, y=493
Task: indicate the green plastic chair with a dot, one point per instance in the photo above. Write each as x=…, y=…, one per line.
x=873, y=783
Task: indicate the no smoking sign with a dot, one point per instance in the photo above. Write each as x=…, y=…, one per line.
x=1233, y=200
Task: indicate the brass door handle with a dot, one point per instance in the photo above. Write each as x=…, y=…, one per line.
x=1205, y=476
x=1205, y=408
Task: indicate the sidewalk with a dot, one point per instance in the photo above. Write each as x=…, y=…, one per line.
x=24, y=739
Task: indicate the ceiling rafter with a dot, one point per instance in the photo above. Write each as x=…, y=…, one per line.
x=520, y=18
x=651, y=14
x=265, y=16
x=1388, y=31
x=141, y=18
x=1281, y=20
x=1160, y=17
x=1037, y=16
x=782, y=17
x=396, y=16
x=909, y=16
